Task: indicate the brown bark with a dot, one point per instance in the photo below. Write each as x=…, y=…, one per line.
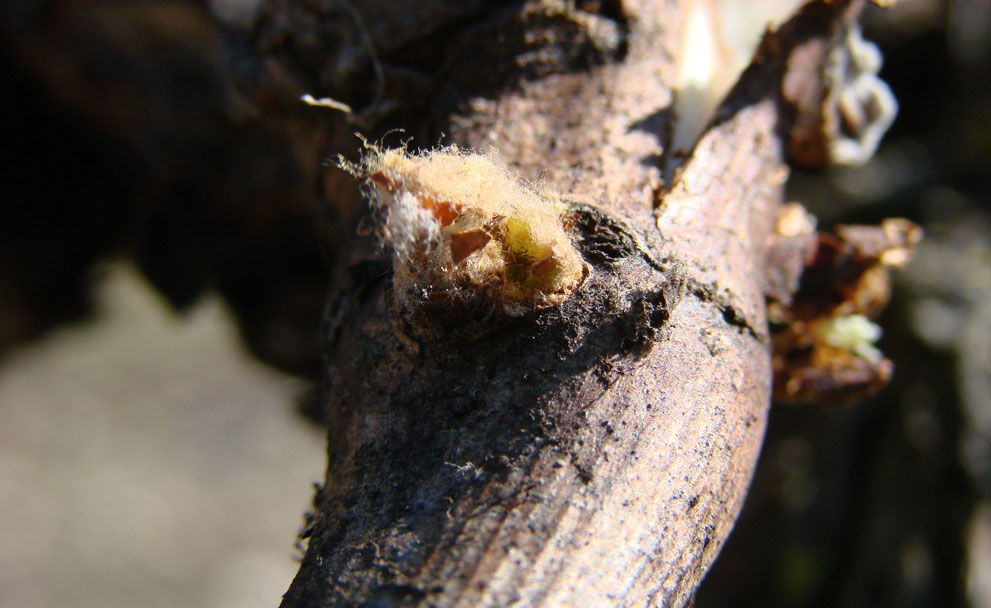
x=594, y=454
x=591, y=454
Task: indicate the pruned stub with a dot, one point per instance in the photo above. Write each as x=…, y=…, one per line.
x=462, y=227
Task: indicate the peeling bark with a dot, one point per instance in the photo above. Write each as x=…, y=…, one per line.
x=593, y=452
x=596, y=453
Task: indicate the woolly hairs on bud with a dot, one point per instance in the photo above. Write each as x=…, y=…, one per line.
x=459, y=223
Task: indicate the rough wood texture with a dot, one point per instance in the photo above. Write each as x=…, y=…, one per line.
x=591, y=455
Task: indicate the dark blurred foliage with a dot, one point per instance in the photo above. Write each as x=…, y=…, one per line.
x=125, y=136
x=878, y=503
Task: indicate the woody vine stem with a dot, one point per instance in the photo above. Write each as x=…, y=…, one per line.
x=552, y=389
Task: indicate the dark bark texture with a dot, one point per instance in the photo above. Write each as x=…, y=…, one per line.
x=478, y=458
x=594, y=454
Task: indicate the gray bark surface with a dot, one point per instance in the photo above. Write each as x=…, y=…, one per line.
x=595, y=454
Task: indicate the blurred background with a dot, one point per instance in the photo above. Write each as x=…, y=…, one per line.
x=161, y=284
x=147, y=460
x=887, y=502
x=166, y=236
